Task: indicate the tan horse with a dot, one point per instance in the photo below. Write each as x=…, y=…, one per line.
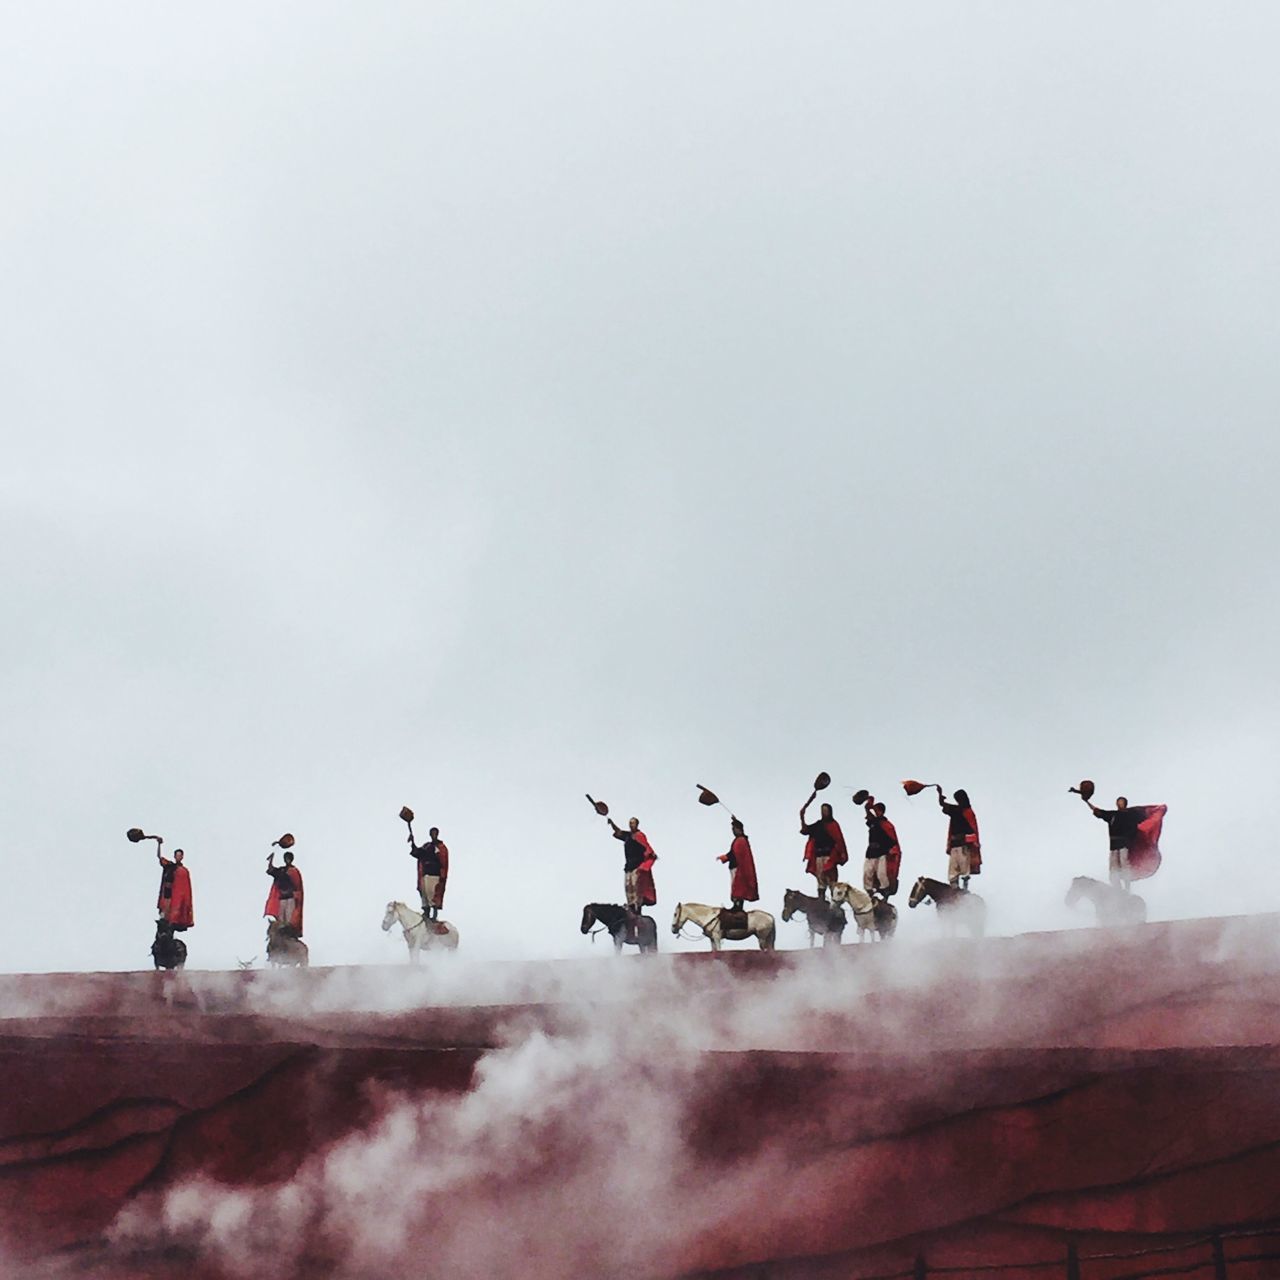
x=760, y=925
x=874, y=919
x=420, y=934
x=284, y=947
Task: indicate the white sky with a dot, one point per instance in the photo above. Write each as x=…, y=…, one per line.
x=471, y=406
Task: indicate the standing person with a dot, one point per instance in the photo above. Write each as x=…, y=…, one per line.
x=175, y=903
x=433, y=872
x=964, y=849
x=884, y=857
x=637, y=866
x=1134, y=838
x=825, y=849
x=742, y=884
x=284, y=902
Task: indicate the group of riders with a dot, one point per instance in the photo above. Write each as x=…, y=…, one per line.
x=1133, y=835
x=284, y=906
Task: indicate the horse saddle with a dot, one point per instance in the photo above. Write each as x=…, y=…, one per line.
x=732, y=921
x=439, y=927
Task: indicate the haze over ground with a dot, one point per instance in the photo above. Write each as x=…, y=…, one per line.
x=470, y=408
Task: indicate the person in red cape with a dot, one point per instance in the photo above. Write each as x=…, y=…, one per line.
x=433, y=872
x=964, y=847
x=1134, y=832
x=884, y=856
x=175, y=903
x=637, y=869
x=284, y=902
x=824, y=850
x=742, y=863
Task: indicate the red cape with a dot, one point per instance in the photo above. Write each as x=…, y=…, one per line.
x=442, y=852
x=892, y=859
x=273, y=899
x=973, y=842
x=1144, y=857
x=743, y=885
x=179, y=910
x=644, y=873
x=839, y=854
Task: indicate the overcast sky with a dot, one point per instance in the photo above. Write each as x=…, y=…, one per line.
x=475, y=405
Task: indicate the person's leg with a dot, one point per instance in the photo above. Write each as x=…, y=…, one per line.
x=1125, y=877
x=429, y=887
x=869, y=874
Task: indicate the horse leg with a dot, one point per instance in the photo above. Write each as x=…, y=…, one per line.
x=716, y=940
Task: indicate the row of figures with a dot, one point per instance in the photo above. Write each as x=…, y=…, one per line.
x=175, y=906
x=1133, y=831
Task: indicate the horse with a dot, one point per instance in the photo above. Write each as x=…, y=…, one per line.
x=1113, y=905
x=824, y=920
x=420, y=934
x=878, y=919
x=760, y=925
x=284, y=947
x=168, y=952
x=614, y=918
x=955, y=906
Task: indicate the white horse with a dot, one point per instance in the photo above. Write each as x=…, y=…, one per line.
x=1113, y=905
x=874, y=919
x=420, y=934
x=760, y=925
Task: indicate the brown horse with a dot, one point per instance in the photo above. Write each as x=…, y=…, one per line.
x=284, y=947
x=614, y=918
x=955, y=906
x=824, y=920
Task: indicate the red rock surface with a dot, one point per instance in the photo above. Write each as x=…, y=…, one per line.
x=824, y=1115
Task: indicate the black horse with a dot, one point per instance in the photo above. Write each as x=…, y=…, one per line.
x=618, y=920
x=825, y=920
x=167, y=951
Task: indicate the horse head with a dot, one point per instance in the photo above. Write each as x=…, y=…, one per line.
x=789, y=903
x=1076, y=890
x=678, y=919
x=919, y=892
x=588, y=917
x=390, y=918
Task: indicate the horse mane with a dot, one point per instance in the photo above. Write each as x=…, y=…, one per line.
x=607, y=913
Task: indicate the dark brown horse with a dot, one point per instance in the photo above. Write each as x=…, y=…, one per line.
x=168, y=952
x=955, y=906
x=824, y=920
x=615, y=918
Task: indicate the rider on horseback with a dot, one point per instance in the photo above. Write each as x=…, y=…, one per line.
x=825, y=849
x=284, y=902
x=884, y=856
x=742, y=884
x=964, y=851
x=175, y=902
x=637, y=867
x=433, y=872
